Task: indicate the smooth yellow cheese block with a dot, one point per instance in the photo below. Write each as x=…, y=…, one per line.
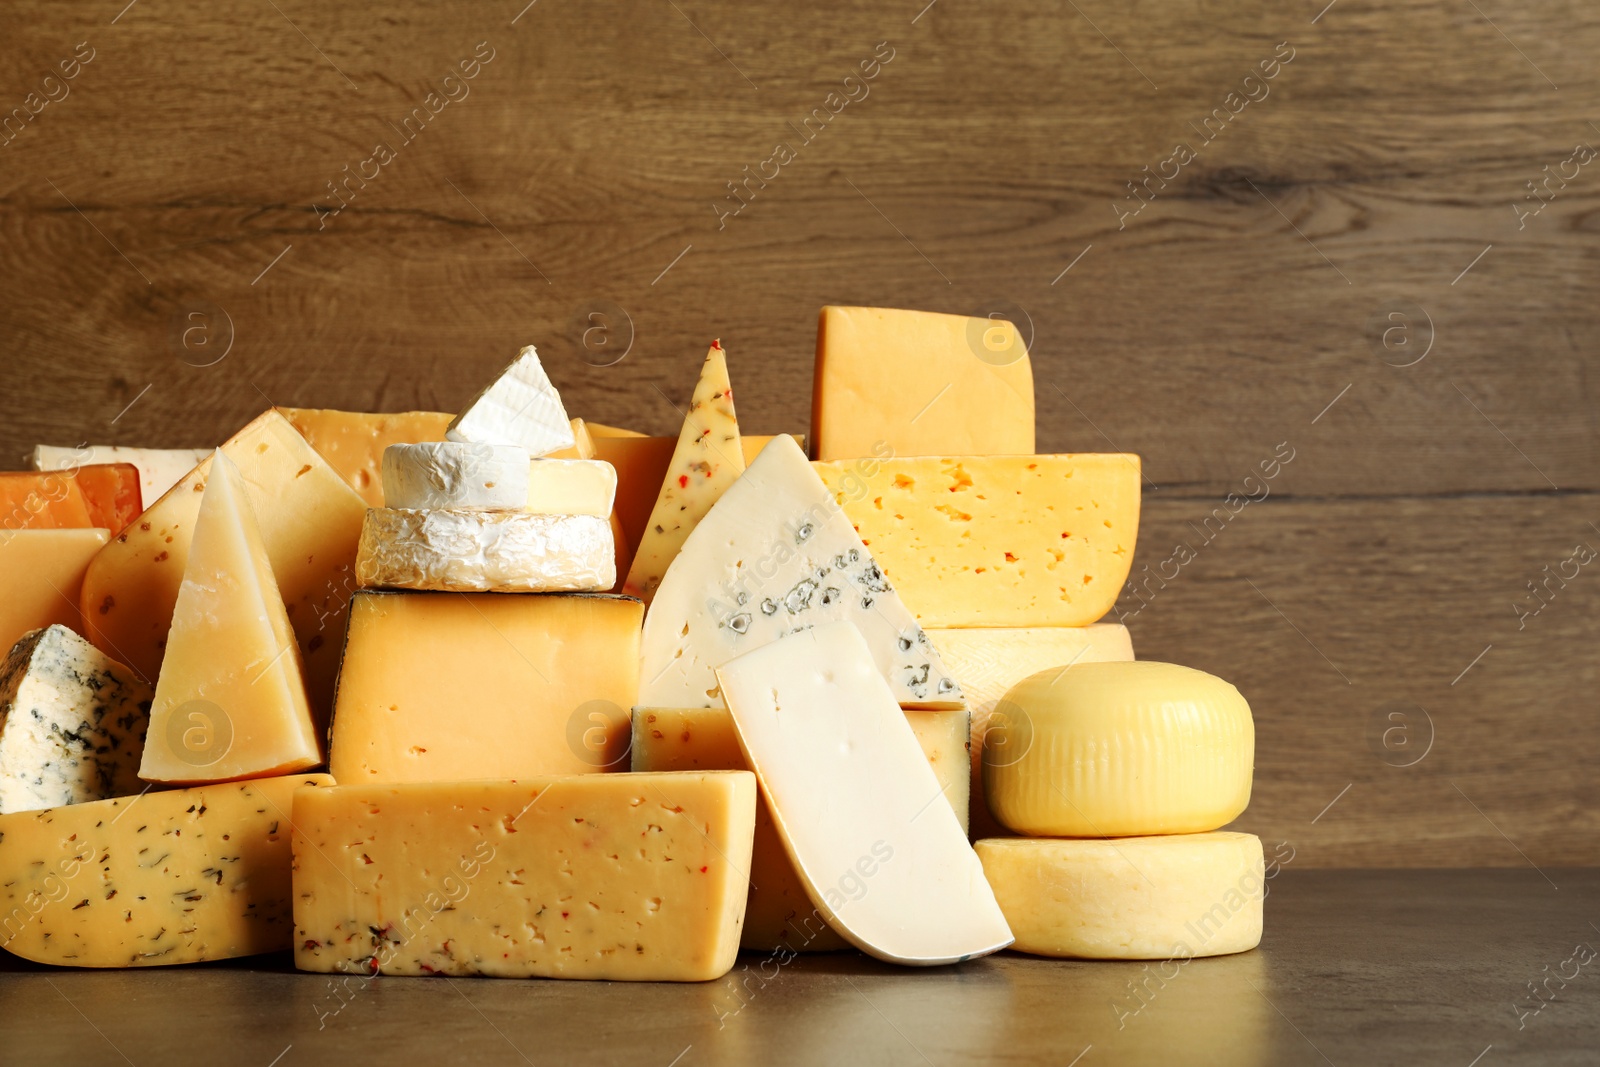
x=310, y=522
x=179, y=876
x=989, y=661
x=1130, y=898
x=1119, y=750
x=353, y=441
x=231, y=698
x=779, y=914
x=623, y=877
x=996, y=540
x=918, y=383
x=41, y=572
x=445, y=686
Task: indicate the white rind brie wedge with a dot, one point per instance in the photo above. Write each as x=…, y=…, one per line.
x=882, y=857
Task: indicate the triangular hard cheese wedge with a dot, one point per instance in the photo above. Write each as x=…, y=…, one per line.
x=520, y=407
x=706, y=461
x=773, y=556
x=230, y=701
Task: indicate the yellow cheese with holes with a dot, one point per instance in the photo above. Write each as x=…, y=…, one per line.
x=1132, y=898
x=353, y=441
x=987, y=662
x=917, y=383
x=779, y=914
x=231, y=698
x=1119, y=750
x=310, y=522
x=706, y=460
x=996, y=540
x=621, y=877
x=42, y=572
x=443, y=686
x=164, y=877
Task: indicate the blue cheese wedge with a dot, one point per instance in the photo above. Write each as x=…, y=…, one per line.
x=520, y=407
x=72, y=723
x=775, y=555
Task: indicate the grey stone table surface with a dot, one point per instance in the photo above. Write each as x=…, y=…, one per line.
x=1459, y=968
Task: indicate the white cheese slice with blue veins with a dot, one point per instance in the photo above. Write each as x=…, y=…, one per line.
x=775, y=555
x=72, y=723
x=860, y=811
x=520, y=407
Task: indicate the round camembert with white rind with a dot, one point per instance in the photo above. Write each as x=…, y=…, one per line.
x=1119, y=750
x=452, y=474
x=469, y=551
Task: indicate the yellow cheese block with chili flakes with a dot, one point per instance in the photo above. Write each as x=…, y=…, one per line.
x=996, y=540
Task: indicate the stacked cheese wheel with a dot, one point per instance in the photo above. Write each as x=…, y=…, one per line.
x=354, y=669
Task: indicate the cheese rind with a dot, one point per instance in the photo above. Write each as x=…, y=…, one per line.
x=1132, y=898
x=705, y=462
x=1119, y=750
x=856, y=803
x=779, y=915
x=520, y=407
x=159, y=468
x=162, y=878
x=310, y=522
x=465, y=551
x=773, y=555
x=449, y=474
x=988, y=661
x=623, y=877
x=72, y=723
x=917, y=383
x=997, y=540
x=230, y=701
x=353, y=442
x=442, y=686
x=42, y=572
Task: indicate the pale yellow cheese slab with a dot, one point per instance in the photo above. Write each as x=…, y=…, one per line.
x=231, y=698
x=443, y=686
x=310, y=522
x=996, y=540
x=622, y=877
x=160, y=878
x=42, y=573
x=1132, y=898
x=779, y=914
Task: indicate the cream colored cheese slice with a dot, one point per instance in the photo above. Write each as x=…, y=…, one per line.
x=572, y=487
x=860, y=811
x=1131, y=898
x=159, y=468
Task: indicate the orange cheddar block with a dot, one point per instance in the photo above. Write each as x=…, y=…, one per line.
x=102, y=495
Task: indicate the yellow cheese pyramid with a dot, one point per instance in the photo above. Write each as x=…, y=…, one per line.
x=230, y=701
x=706, y=461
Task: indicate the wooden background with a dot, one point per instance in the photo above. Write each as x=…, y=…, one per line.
x=1243, y=307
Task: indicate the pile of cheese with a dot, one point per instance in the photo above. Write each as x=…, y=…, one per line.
x=509, y=693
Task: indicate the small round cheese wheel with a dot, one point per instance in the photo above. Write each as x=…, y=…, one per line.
x=1131, y=898
x=1118, y=750
x=449, y=474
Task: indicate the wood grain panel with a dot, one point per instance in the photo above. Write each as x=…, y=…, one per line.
x=1379, y=171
